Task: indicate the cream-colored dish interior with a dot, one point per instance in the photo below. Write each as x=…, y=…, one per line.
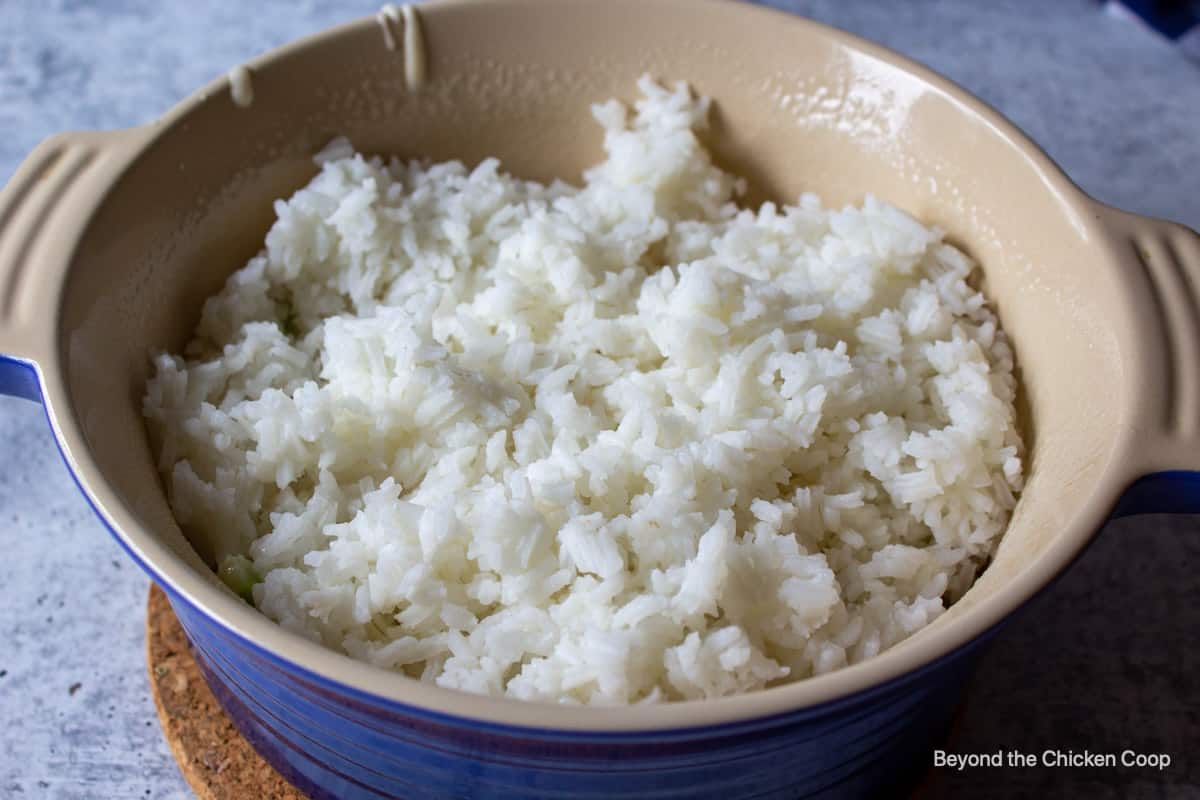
x=796, y=109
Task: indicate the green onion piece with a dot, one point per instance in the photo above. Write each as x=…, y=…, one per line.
x=239, y=574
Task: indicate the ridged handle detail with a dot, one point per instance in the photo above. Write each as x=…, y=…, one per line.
x=25, y=217
x=44, y=210
x=1170, y=255
x=1159, y=434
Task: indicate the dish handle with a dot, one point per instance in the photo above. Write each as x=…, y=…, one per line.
x=44, y=210
x=1164, y=279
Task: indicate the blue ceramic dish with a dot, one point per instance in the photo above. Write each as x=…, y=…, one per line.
x=110, y=241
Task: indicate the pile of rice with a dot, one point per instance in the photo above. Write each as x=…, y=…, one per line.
x=613, y=444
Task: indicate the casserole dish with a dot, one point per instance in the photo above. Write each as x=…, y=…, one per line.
x=110, y=241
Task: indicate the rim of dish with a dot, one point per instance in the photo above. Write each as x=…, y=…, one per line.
x=901, y=663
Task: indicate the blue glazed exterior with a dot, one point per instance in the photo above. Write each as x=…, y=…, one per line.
x=333, y=743
x=19, y=378
x=1172, y=492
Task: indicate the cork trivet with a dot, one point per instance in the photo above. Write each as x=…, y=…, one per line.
x=214, y=758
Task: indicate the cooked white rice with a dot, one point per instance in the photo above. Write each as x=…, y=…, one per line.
x=620, y=443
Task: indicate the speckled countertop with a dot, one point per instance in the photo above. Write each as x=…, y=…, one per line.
x=1106, y=660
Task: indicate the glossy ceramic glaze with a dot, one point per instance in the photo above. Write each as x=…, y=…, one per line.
x=110, y=241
